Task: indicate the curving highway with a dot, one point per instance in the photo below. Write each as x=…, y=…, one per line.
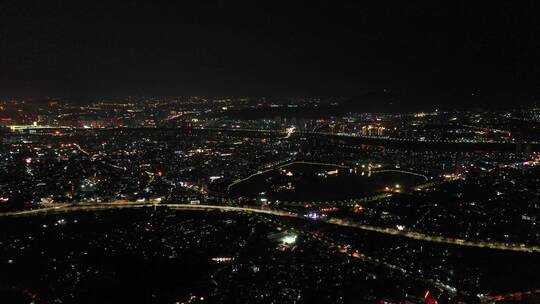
x=281, y=166
x=335, y=221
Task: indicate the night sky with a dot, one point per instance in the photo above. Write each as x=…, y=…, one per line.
x=458, y=52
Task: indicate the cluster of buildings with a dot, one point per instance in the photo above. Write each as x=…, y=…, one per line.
x=191, y=150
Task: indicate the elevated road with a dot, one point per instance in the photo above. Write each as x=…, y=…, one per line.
x=347, y=139
x=335, y=221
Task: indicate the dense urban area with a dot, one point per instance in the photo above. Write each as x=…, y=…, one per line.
x=267, y=200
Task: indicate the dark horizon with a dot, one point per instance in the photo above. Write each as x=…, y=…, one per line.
x=457, y=54
x=374, y=102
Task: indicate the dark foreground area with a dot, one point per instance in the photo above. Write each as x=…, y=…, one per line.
x=165, y=256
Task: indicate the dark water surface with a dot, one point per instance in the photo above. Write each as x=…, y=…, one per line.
x=309, y=182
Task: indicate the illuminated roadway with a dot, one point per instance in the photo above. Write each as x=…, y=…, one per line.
x=281, y=166
x=289, y=131
x=334, y=221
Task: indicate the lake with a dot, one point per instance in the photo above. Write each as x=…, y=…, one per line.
x=320, y=182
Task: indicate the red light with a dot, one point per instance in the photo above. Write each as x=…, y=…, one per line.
x=426, y=294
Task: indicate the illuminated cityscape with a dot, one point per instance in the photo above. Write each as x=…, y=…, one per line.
x=171, y=164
